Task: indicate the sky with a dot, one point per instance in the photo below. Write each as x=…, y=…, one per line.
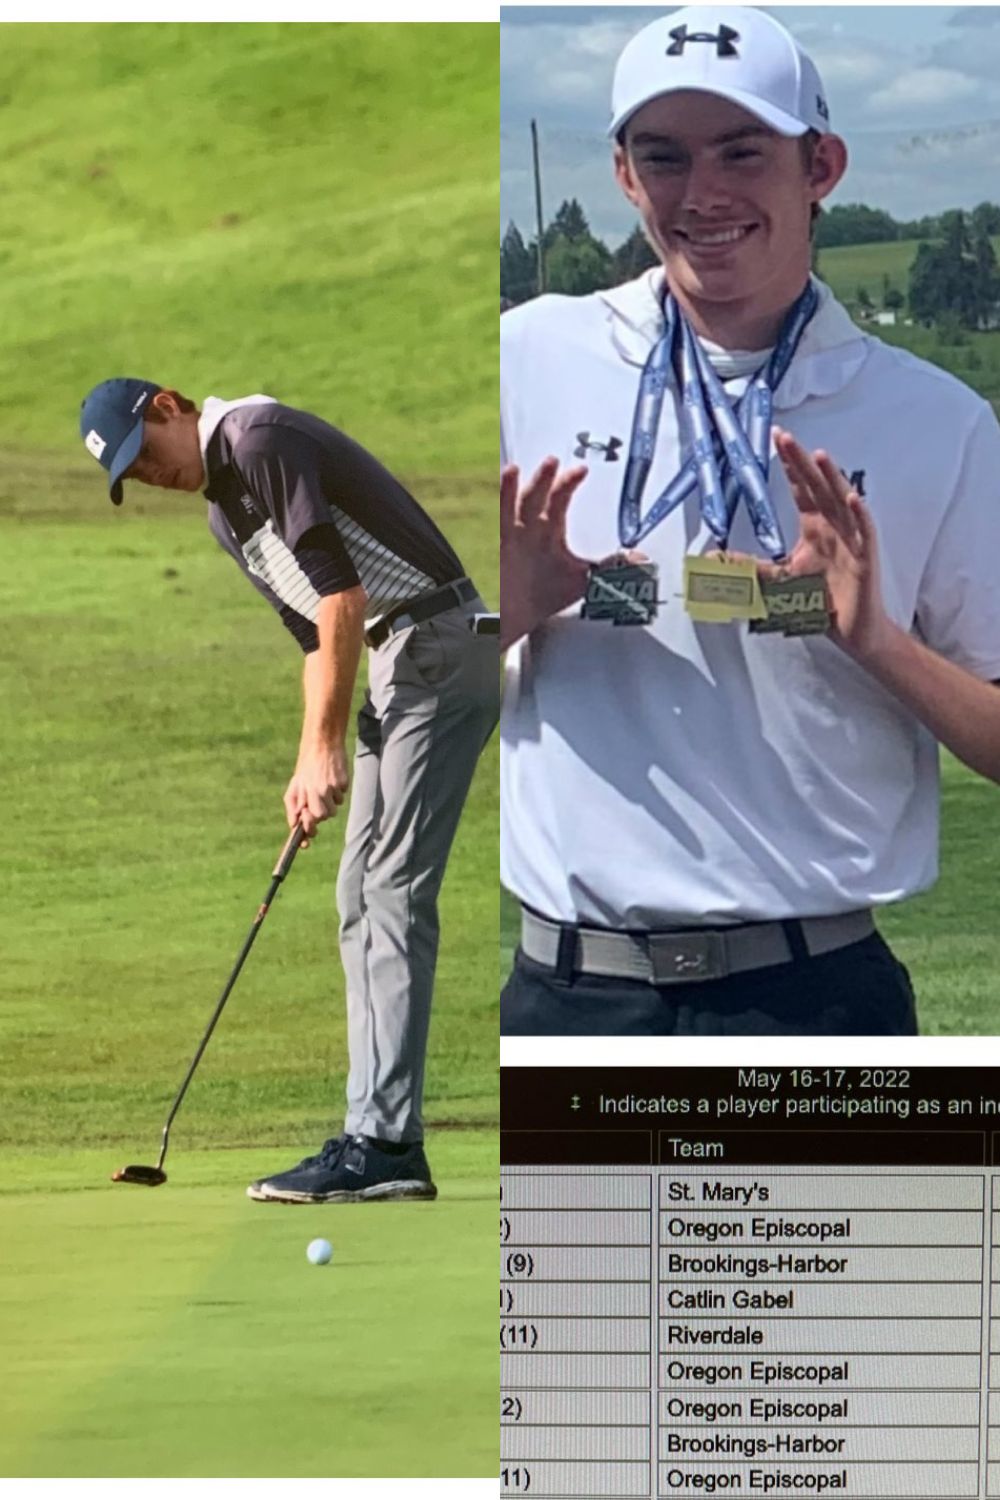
x=913, y=89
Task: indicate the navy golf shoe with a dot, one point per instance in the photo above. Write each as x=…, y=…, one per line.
x=350, y=1169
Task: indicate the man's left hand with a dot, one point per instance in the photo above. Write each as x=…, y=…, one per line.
x=838, y=540
x=317, y=789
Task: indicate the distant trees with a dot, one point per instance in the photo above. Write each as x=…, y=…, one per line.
x=985, y=218
x=570, y=223
x=633, y=256
x=854, y=224
x=955, y=281
x=986, y=279
x=518, y=273
x=925, y=284
x=576, y=261
x=857, y=224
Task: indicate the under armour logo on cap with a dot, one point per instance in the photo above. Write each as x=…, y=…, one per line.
x=95, y=443
x=737, y=52
x=723, y=40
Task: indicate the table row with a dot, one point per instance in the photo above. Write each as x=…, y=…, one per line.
x=777, y=1227
x=695, y=1407
x=533, y=1444
x=891, y=1481
x=715, y=1372
x=812, y=1190
x=832, y=1338
x=845, y=1299
x=593, y=1264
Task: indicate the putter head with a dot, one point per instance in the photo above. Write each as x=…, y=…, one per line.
x=148, y=1176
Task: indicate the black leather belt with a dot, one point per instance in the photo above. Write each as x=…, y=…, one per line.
x=411, y=611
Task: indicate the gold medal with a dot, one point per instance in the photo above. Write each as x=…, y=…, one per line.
x=719, y=589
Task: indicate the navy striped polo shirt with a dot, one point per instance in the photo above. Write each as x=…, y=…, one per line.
x=307, y=512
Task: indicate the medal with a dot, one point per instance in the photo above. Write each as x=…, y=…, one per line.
x=623, y=590
x=729, y=461
x=795, y=606
x=718, y=589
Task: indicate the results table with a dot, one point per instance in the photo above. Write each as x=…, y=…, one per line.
x=730, y=1281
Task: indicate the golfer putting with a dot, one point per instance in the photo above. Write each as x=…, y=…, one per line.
x=740, y=630
x=347, y=557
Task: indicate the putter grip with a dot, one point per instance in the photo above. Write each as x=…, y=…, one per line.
x=289, y=852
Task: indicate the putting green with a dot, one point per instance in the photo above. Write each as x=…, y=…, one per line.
x=181, y=1331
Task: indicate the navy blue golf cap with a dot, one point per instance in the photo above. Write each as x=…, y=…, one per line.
x=111, y=425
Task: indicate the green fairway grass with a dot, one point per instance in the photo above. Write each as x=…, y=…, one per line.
x=308, y=211
x=182, y=1331
x=947, y=938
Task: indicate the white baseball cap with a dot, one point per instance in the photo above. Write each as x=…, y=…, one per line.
x=735, y=51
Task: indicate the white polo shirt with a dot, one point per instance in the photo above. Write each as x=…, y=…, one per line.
x=687, y=773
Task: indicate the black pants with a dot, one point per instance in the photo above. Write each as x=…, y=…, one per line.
x=860, y=990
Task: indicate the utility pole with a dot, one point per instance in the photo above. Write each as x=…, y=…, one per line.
x=538, y=209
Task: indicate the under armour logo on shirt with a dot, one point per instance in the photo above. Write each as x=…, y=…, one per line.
x=723, y=41
x=609, y=449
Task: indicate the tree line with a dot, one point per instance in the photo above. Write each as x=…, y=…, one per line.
x=857, y=224
x=953, y=280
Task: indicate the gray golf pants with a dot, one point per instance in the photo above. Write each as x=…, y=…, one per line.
x=433, y=702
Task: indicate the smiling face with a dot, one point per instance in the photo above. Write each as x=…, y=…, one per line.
x=727, y=203
x=170, y=456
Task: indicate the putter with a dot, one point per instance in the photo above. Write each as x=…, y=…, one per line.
x=155, y=1176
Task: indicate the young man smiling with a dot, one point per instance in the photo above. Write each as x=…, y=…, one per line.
x=699, y=819
x=347, y=557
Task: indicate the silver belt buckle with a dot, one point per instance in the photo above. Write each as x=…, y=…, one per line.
x=686, y=958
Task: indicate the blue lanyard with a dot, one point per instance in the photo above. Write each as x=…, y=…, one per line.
x=729, y=449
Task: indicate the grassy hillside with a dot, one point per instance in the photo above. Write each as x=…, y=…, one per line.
x=976, y=359
x=847, y=267
x=308, y=210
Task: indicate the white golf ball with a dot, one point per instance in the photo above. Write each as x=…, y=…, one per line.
x=320, y=1252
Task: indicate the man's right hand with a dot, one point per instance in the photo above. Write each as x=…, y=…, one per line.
x=317, y=789
x=539, y=575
